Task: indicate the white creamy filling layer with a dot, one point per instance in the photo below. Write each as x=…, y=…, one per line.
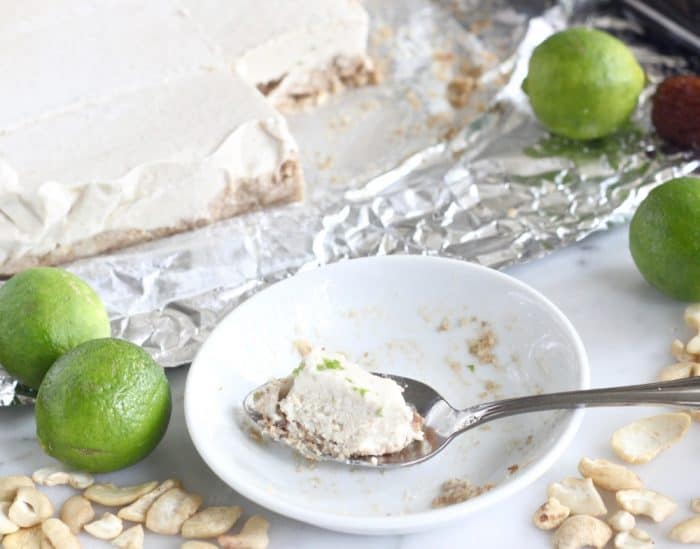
x=338, y=401
x=106, y=49
x=85, y=185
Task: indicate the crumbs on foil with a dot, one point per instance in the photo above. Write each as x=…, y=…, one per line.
x=451, y=163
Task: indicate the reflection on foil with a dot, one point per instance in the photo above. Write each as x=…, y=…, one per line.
x=397, y=169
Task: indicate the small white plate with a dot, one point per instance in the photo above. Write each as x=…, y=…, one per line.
x=408, y=315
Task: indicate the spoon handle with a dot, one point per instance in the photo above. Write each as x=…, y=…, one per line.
x=683, y=392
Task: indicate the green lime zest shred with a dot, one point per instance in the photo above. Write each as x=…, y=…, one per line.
x=361, y=390
x=329, y=364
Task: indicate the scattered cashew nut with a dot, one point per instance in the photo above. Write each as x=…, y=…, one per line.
x=579, y=495
x=622, y=521
x=76, y=512
x=642, y=440
x=634, y=539
x=171, y=510
x=646, y=502
x=9, y=486
x=608, y=475
x=107, y=527
x=679, y=370
x=57, y=476
x=30, y=507
x=59, y=535
x=687, y=531
x=695, y=505
x=211, y=522
x=6, y=525
x=26, y=538
x=692, y=319
x=550, y=514
x=252, y=536
x=582, y=531
x=136, y=512
x=680, y=353
x=132, y=538
x=110, y=495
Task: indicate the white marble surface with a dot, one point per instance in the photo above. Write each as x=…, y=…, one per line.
x=627, y=328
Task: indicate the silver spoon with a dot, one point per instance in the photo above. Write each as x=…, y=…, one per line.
x=442, y=422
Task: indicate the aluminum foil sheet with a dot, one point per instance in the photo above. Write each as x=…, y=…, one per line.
x=397, y=168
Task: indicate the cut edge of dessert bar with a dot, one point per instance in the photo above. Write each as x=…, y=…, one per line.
x=291, y=94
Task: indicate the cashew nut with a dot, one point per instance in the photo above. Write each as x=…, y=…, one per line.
x=211, y=522
x=107, y=527
x=171, y=510
x=56, y=476
x=136, y=512
x=579, y=495
x=26, y=538
x=634, y=539
x=582, y=531
x=76, y=512
x=30, y=508
x=680, y=353
x=679, y=370
x=550, y=514
x=110, y=495
x=608, y=475
x=687, y=531
x=646, y=502
x=682, y=370
x=642, y=440
x=692, y=319
x=622, y=521
x=198, y=545
x=131, y=538
x=252, y=536
x=9, y=486
x=6, y=525
x=695, y=505
x=59, y=535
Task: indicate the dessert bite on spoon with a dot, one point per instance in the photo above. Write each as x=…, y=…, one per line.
x=331, y=409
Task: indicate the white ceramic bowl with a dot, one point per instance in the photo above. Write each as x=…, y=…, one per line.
x=409, y=315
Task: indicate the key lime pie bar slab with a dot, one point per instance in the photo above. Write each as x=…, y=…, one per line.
x=125, y=121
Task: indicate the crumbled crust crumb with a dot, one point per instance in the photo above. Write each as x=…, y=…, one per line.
x=459, y=91
x=302, y=346
x=482, y=347
x=256, y=436
x=457, y=490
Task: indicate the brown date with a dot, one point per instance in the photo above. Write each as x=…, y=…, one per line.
x=676, y=110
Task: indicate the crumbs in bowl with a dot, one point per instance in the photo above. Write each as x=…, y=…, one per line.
x=458, y=490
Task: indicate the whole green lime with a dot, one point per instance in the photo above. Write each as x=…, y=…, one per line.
x=583, y=83
x=44, y=313
x=103, y=406
x=665, y=238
